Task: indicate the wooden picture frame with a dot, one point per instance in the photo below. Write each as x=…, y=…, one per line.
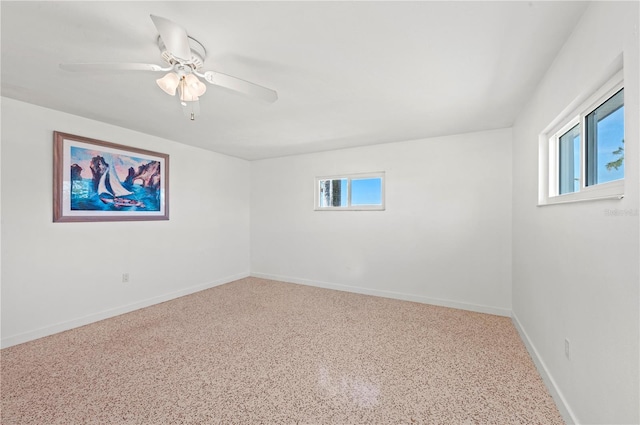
x=94, y=180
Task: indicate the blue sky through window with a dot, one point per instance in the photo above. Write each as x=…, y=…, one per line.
x=610, y=135
x=343, y=193
x=366, y=191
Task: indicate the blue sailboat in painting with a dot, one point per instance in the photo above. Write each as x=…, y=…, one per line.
x=111, y=191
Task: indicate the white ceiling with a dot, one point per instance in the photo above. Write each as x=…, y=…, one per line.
x=347, y=73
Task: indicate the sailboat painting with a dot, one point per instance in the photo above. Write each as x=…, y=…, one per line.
x=115, y=193
x=102, y=181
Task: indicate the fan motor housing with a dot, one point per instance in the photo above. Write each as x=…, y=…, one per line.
x=198, y=54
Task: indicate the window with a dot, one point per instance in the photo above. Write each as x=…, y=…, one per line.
x=350, y=192
x=569, y=161
x=333, y=193
x=585, y=153
x=605, y=141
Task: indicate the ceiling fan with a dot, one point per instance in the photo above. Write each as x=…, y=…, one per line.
x=184, y=57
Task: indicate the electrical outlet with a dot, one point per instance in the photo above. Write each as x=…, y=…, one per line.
x=567, y=349
x=125, y=277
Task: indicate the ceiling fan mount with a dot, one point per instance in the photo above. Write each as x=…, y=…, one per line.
x=195, y=62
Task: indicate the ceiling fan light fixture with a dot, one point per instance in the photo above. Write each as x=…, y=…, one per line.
x=169, y=83
x=187, y=95
x=191, y=88
x=195, y=85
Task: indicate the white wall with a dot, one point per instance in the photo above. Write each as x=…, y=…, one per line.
x=445, y=237
x=576, y=268
x=59, y=275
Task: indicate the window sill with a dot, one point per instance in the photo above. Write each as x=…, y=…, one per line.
x=601, y=192
x=556, y=201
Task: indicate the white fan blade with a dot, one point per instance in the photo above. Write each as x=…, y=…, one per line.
x=240, y=85
x=174, y=37
x=111, y=67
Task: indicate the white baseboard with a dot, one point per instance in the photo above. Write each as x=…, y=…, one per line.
x=85, y=320
x=389, y=294
x=564, y=408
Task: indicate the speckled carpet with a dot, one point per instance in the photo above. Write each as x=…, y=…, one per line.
x=256, y=351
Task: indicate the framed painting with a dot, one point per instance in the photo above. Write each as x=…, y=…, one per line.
x=102, y=181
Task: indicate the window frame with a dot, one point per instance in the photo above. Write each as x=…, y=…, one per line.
x=549, y=155
x=349, y=178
